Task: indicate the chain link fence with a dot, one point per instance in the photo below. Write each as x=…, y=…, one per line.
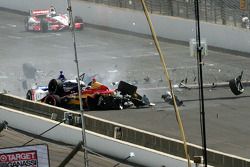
x=225, y=12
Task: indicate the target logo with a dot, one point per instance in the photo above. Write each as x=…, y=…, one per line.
x=3, y=158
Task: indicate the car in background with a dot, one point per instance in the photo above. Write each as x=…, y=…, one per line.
x=45, y=20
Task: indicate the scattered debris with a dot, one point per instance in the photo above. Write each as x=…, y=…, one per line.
x=167, y=97
x=145, y=100
x=161, y=80
x=147, y=79
x=236, y=85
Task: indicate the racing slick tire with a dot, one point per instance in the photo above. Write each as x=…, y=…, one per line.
x=29, y=95
x=44, y=25
x=78, y=19
x=53, y=100
x=26, y=23
x=55, y=87
x=236, y=86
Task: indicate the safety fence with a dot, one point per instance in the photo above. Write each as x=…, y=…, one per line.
x=225, y=12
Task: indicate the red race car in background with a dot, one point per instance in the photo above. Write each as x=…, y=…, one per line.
x=49, y=20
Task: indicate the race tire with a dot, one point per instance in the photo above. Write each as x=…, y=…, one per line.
x=56, y=87
x=53, y=100
x=236, y=86
x=29, y=95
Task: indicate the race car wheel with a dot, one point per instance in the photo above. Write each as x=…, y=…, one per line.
x=44, y=25
x=53, y=100
x=26, y=24
x=236, y=86
x=55, y=87
x=29, y=95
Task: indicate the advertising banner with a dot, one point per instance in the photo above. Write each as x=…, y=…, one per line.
x=26, y=156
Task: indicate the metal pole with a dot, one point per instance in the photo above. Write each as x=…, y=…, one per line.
x=164, y=65
x=206, y=10
x=72, y=27
x=201, y=94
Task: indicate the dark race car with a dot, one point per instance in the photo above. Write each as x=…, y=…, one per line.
x=49, y=20
x=65, y=94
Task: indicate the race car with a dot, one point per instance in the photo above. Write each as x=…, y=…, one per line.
x=38, y=93
x=65, y=94
x=44, y=20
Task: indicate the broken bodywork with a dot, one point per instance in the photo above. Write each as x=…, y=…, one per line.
x=65, y=94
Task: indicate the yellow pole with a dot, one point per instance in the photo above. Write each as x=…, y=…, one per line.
x=177, y=114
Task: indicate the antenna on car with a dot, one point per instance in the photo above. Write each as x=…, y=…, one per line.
x=72, y=28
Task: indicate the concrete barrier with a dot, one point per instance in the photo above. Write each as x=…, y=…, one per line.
x=121, y=132
x=219, y=36
x=96, y=142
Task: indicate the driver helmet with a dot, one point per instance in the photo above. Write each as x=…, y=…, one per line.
x=52, y=10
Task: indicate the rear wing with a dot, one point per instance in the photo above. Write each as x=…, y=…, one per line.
x=39, y=12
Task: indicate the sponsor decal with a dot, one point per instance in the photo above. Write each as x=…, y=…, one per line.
x=39, y=12
x=26, y=156
x=19, y=159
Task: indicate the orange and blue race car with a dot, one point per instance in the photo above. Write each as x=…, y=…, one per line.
x=95, y=96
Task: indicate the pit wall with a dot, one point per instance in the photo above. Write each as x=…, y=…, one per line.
x=118, y=132
x=226, y=37
x=95, y=142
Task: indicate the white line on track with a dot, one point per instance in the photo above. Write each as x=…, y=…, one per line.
x=87, y=46
x=43, y=36
x=61, y=47
x=14, y=37
x=156, y=88
x=11, y=25
x=3, y=77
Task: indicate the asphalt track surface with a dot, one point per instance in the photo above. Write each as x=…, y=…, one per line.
x=118, y=56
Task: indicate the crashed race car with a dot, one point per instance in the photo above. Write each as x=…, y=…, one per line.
x=95, y=96
x=45, y=20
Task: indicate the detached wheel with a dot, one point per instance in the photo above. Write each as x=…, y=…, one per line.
x=53, y=100
x=236, y=86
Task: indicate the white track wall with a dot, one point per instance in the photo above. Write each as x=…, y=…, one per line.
x=96, y=142
x=226, y=37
